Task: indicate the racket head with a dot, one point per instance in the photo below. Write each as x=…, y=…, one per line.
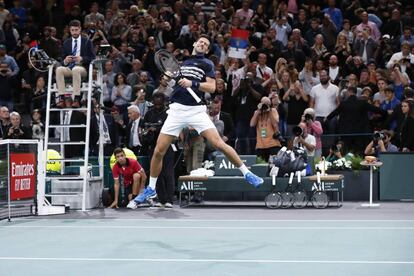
x=273, y=201
x=300, y=199
x=320, y=200
x=166, y=63
x=287, y=200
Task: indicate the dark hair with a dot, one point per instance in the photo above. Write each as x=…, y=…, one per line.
x=118, y=150
x=389, y=88
x=158, y=95
x=352, y=89
x=75, y=23
x=408, y=92
x=206, y=37
x=410, y=105
x=116, y=78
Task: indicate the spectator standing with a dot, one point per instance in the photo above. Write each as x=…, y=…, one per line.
x=402, y=57
x=132, y=130
x=245, y=14
x=266, y=121
x=334, y=13
x=324, y=97
x=297, y=102
x=364, y=45
x=7, y=85
x=366, y=24
x=121, y=94
x=308, y=77
x=407, y=128
x=353, y=119
x=9, y=60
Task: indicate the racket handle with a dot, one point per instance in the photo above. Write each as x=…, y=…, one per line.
x=192, y=93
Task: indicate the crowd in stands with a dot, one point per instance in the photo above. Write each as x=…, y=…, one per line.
x=338, y=70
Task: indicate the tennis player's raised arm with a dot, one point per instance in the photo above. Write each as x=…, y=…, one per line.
x=208, y=86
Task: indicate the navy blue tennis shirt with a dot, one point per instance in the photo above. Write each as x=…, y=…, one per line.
x=196, y=68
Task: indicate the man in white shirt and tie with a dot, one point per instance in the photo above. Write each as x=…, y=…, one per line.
x=77, y=53
x=132, y=130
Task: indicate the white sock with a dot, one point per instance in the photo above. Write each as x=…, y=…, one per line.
x=244, y=169
x=153, y=182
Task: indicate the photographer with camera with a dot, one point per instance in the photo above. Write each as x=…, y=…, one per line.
x=335, y=152
x=381, y=142
x=266, y=121
x=314, y=128
x=247, y=95
x=304, y=139
x=16, y=129
x=402, y=58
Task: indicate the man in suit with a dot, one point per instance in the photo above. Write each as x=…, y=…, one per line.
x=73, y=134
x=132, y=140
x=365, y=45
x=77, y=53
x=109, y=133
x=353, y=118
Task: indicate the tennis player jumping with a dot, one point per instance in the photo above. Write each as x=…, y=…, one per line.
x=199, y=74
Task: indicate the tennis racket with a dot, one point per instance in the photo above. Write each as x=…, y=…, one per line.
x=169, y=66
x=273, y=200
x=320, y=200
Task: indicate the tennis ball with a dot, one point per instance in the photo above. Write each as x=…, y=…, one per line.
x=53, y=166
x=128, y=153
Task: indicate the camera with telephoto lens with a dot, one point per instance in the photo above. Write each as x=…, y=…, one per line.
x=335, y=148
x=308, y=117
x=378, y=136
x=297, y=131
x=148, y=135
x=278, y=136
x=264, y=107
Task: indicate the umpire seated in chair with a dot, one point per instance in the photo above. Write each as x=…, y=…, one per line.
x=77, y=53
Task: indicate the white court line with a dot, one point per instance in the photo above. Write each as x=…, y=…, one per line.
x=217, y=220
x=208, y=227
x=201, y=260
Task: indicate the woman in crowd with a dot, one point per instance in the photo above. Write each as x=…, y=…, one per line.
x=342, y=49
x=308, y=77
x=39, y=94
x=407, y=129
x=318, y=49
x=121, y=94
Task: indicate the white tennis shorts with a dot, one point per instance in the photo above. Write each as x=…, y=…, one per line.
x=181, y=116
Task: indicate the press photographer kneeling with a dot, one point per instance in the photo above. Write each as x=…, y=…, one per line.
x=381, y=142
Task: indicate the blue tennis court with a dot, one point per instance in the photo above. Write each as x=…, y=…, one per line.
x=213, y=241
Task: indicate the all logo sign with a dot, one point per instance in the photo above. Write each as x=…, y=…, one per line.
x=22, y=175
x=225, y=164
x=187, y=186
